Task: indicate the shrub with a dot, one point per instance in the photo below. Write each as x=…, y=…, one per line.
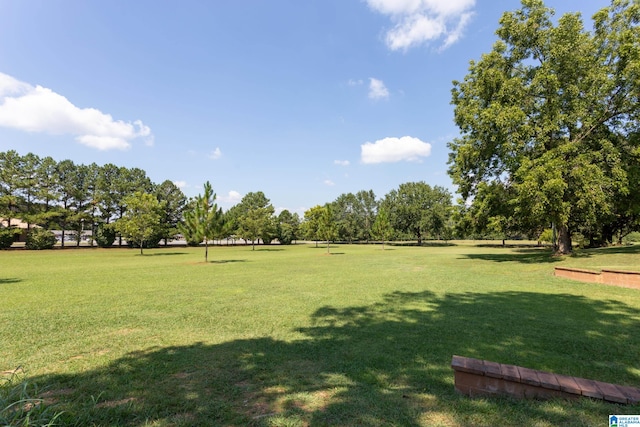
x=39, y=238
x=631, y=238
x=546, y=236
x=105, y=235
x=8, y=236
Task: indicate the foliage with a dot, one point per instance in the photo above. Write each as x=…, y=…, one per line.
x=8, y=236
x=418, y=209
x=546, y=237
x=140, y=223
x=311, y=225
x=327, y=228
x=288, y=226
x=633, y=237
x=382, y=228
x=174, y=205
x=551, y=115
x=354, y=215
x=254, y=218
x=39, y=238
x=203, y=220
x=105, y=235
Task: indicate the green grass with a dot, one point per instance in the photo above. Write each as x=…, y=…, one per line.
x=289, y=336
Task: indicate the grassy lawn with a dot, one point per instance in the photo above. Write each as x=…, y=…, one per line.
x=288, y=336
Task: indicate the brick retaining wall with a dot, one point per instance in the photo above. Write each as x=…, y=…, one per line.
x=627, y=279
x=475, y=377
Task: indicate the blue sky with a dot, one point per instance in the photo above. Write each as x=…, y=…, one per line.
x=301, y=99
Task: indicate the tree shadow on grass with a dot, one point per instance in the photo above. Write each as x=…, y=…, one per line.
x=387, y=363
x=226, y=261
x=166, y=254
x=526, y=256
x=4, y=281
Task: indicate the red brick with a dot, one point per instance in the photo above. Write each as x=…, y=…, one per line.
x=528, y=376
x=467, y=364
x=468, y=379
x=589, y=388
x=611, y=393
x=548, y=380
x=510, y=373
x=568, y=384
x=492, y=369
x=632, y=393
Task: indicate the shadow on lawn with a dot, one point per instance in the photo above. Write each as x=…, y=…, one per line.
x=4, y=281
x=526, y=256
x=382, y=364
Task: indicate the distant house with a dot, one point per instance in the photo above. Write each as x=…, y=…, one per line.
x=18, y=223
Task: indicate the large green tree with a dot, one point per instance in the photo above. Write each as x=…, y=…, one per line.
x=142, y=218
x=550, y=113
x=288, y=225
x=255, y=218
x=174, y=205
x=418, y=209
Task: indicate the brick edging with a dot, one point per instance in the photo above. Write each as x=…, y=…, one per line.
x=482, y=377
x=624, y=278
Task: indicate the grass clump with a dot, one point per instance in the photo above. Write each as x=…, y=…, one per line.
x=20, y=404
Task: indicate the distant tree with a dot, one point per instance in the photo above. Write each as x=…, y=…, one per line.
x=67, y=176
x=255, y=218
x=28, y=189
x=126, y=182
x=327, y=228
x=366, y=210
x=47, y=192
x=288, y=227
x=203, y=219
x=347, y=221
x=10, y=176
x=141, y=220
x=311, y=224
x=418, y=209
x=382, y=228
x=175, y=202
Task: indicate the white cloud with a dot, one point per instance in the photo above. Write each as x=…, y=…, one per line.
x=232, y=198
x=377, y=89
x=418, y=22
x=391, y=150
x=329, y=182
x=215, y=154
x=38, y=109
x=180, y=184
x=353, y=82
x=341, y=162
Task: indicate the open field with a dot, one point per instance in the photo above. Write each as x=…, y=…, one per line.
x=288, y=336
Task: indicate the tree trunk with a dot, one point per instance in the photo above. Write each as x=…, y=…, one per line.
x=206, y=250
x=564, y=240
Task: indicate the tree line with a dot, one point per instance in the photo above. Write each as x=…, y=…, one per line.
x=109, y=203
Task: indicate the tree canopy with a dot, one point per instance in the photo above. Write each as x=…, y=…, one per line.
x=551, y=115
